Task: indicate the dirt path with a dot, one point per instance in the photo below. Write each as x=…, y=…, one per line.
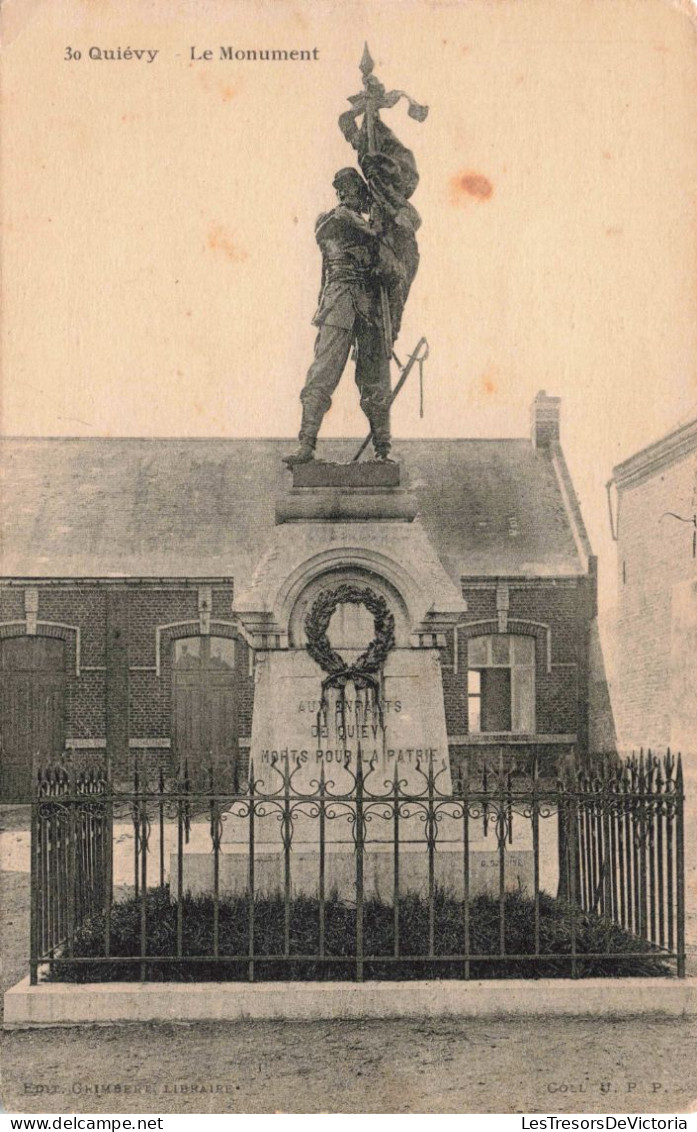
x=387, y=1066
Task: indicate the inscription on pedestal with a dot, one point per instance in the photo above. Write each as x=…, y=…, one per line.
x=405, y=732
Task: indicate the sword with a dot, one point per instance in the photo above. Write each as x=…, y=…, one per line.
x=420, y=354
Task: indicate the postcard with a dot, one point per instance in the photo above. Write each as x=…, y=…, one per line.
x=348, y=602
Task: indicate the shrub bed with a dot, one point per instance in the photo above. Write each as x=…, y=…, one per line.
x=594, y=934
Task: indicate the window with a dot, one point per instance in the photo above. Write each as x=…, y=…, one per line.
x=205, y=709
x=501, y=684
x=204, y=652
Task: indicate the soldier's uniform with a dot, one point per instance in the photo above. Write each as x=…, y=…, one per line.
x=348, y=315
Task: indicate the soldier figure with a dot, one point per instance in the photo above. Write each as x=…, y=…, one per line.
x=369, y=260
x=349, y=315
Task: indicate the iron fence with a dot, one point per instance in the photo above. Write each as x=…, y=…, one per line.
x=71, y=857
x=628, y=848
x=620, y=898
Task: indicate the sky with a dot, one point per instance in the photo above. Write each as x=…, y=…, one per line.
x=160, y=269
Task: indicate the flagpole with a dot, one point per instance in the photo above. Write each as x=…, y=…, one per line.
x=366, y=67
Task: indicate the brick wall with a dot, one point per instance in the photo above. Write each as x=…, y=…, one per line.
x=148, y=710
x=142, y=609
x=557, y=614
x=559, y=605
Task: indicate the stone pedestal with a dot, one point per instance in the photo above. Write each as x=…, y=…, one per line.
x=361, y=474
x=355, y=493
x=355, y=526
x=406, y=733
x=340, y=871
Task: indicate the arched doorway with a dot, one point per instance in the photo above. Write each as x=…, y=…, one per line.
x=32, y=711
x=205, y=710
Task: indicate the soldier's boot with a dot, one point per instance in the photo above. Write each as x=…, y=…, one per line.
x=309, y=427
x=303, y=454
x=380, y=428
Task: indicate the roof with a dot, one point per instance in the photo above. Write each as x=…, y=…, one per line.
x=675, y=446
x=204, y=508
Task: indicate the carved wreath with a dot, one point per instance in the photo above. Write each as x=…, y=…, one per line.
x=365, y=669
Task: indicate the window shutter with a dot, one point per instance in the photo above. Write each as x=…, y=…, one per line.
x=496, y=699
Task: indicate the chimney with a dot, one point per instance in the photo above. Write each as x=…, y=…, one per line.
x=545, y=420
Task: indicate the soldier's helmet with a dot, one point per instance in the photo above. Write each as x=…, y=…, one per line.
x=351, y=177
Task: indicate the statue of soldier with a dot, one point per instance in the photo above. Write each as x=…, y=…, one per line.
x=369, y=260
x=349, y=315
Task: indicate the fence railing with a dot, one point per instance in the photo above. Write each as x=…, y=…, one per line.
x=407, y=902
x=630, y=847
x=71, y=856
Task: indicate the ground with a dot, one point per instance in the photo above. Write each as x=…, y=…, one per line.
x=386, y=1066
x=449, y=1066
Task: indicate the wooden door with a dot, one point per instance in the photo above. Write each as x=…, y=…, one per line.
x=32, y=711
x=205, y=723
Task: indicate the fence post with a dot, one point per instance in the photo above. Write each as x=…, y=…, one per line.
x=216, y=835
x=651, y=822
x=286, y=837
x=161, y=785
x=136, y=833
x=672, y=800
x=608, y=862
x=466, y=862
x=322, y=850
x=501, y=836
x=250, y=892
x=109, y=858
x=71, y=861
x=536, y=847
x=431, y=842
x=659, y=808
x=395, y=861
x=572, y=843
x=144, y=838
x=680, y=868
x=34, y=945
x=359, y=866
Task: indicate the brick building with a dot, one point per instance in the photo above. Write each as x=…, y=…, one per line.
x=656, y=700
x=122, y=560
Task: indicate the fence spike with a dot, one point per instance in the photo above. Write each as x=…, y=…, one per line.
x=678, y=774
x=659, y=776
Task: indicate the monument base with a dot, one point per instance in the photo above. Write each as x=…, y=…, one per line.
x=340, y=871
x=356, y=474
x=349, y=493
